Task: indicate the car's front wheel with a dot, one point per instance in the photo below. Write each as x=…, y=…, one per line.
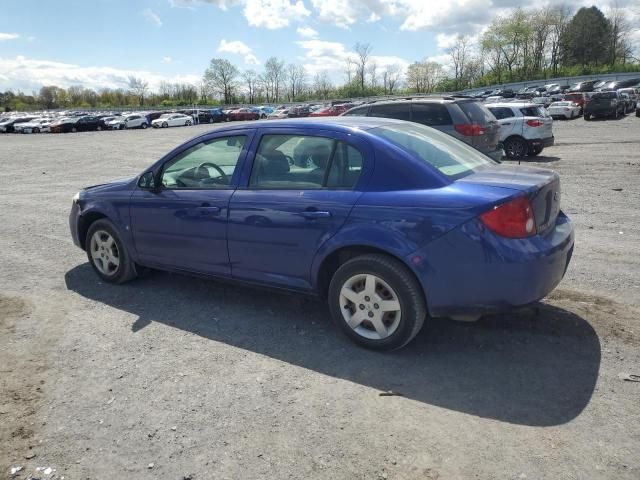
x=377, y=302
x=107, y=254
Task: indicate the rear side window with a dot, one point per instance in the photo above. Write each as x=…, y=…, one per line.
x=502, y=112
x=605, y=95
x=431, y=114
x=357, y=112
x=476, y=112
x=346, y=167
x=399, y=111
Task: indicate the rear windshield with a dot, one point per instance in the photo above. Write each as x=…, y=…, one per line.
x=533, y=112
x=451, y=157
x=477, y=113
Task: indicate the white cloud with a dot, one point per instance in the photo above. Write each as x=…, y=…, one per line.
x=239, y=48
x=30, y=74
x=167, y=59
x=274, y=14
x=322, y=55
x=307, y=32
x=8, y=36
x=222, y=4
x=152, y=17
x=235, y=46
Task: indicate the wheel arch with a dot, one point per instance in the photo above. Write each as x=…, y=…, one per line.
x=330, y=263
x=85, y=223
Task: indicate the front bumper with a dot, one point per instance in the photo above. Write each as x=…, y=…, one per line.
x=74, y=224
x=470, y=271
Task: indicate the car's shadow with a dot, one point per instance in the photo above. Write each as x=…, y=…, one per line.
x=534, y=369
x=532, y=159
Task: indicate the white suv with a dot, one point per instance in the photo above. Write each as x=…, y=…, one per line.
x=130, y=121
x=525, y=128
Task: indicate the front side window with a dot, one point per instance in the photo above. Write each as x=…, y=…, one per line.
x=451, y=157
x=207, y=165
x=299, y=162
x=357, y=112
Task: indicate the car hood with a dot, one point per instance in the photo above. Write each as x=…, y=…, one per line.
x=115, y=184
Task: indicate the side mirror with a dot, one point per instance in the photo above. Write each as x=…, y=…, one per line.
x=147, y=182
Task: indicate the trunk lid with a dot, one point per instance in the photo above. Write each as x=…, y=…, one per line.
x=542, y=186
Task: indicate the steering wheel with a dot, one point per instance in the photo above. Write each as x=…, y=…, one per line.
x=223, y=175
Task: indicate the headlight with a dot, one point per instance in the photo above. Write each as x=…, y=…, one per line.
x=76, y=197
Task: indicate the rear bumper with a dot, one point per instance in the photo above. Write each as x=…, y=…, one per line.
x=471, y=271
x=541, y=142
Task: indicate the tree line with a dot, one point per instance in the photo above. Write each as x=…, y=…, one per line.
x=526, y=45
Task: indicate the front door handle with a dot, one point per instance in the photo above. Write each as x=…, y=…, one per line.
x=207, y=210
x=312, y=214
x=506, y=123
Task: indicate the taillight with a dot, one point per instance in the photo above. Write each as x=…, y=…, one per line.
x=469, y=129
x=535, y=123
x=513, y=219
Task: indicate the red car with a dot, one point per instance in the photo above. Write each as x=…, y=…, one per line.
x=578, y=97
x=243, y=114
x=329, y=111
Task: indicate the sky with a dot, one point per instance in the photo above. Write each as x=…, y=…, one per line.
x=100, y=43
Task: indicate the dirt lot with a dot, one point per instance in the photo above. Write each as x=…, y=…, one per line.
x=205, y=380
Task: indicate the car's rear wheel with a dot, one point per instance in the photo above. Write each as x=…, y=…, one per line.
x=211, y=120
x=535, y=151
x=587, y=117
x=74, y=129
x=36, y=130
x=107, y=254
x=144, y=126
x=188, y=123
x=377, y=302
x=515, y=148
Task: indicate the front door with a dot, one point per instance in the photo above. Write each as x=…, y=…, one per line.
x=183, y=224
x=289, y=209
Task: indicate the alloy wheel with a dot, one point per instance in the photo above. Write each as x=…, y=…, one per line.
x=370, y=306
x=104, y=253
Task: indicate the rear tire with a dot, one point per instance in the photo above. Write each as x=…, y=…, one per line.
x=377, y=302
x=107, y=254
x=144, y=126
x=587, y=117
x=515, y=148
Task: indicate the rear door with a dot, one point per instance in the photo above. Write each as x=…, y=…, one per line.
x=436, y=115
x=508, y=120
x=284, y=212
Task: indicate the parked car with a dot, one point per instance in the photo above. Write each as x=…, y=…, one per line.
x=578, y=98
x=218, y=115
x=564, y=109
x=135, y=120
x=244, y=114
x=37, y=125
x=451, y=217
x=633, y=96
x=278, y=114
x=299, y=112
x=525, y=128
x=333, y=111
x=463, y=118
x=618, y=84
x=86, y=123
x=638, y=110
x=587, y=86
x=604, y=104
x=172, y=120
x=628, y=102
x=542, y=101
x=7, y=125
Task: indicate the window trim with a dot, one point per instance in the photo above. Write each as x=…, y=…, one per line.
x=326, y=175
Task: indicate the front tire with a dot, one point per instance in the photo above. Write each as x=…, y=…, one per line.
x=144, y=126
x=515, y=148
x=377, y=302
x=535, y=151
x=165, y=125
x=107, y=254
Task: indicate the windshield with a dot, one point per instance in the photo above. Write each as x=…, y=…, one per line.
x=451, y=157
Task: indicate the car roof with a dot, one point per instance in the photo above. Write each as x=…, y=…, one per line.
x=513, y=104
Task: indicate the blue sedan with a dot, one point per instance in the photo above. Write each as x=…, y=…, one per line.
x=391, y=222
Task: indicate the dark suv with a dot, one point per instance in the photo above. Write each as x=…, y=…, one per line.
x=463, y=118
x=605, y=104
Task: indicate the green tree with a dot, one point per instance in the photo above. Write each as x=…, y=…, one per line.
x=586, y=40
x=221, y=78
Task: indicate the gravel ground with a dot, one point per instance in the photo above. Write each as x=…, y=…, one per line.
x=174, y=377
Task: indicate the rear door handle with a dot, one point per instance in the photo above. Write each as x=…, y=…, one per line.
x=312, y=214
x=208, y=210
x=506, y=123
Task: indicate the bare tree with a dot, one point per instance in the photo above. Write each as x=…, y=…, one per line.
x=363, y=52
x=296, y=77
x=221, y=77
x=273, y=77
x=390, y=78
x=251, y=80
x=458, y=53
x=139, y=88
x=350, y=63
x=372, y=70
x=322, y=84
x=620, y=48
